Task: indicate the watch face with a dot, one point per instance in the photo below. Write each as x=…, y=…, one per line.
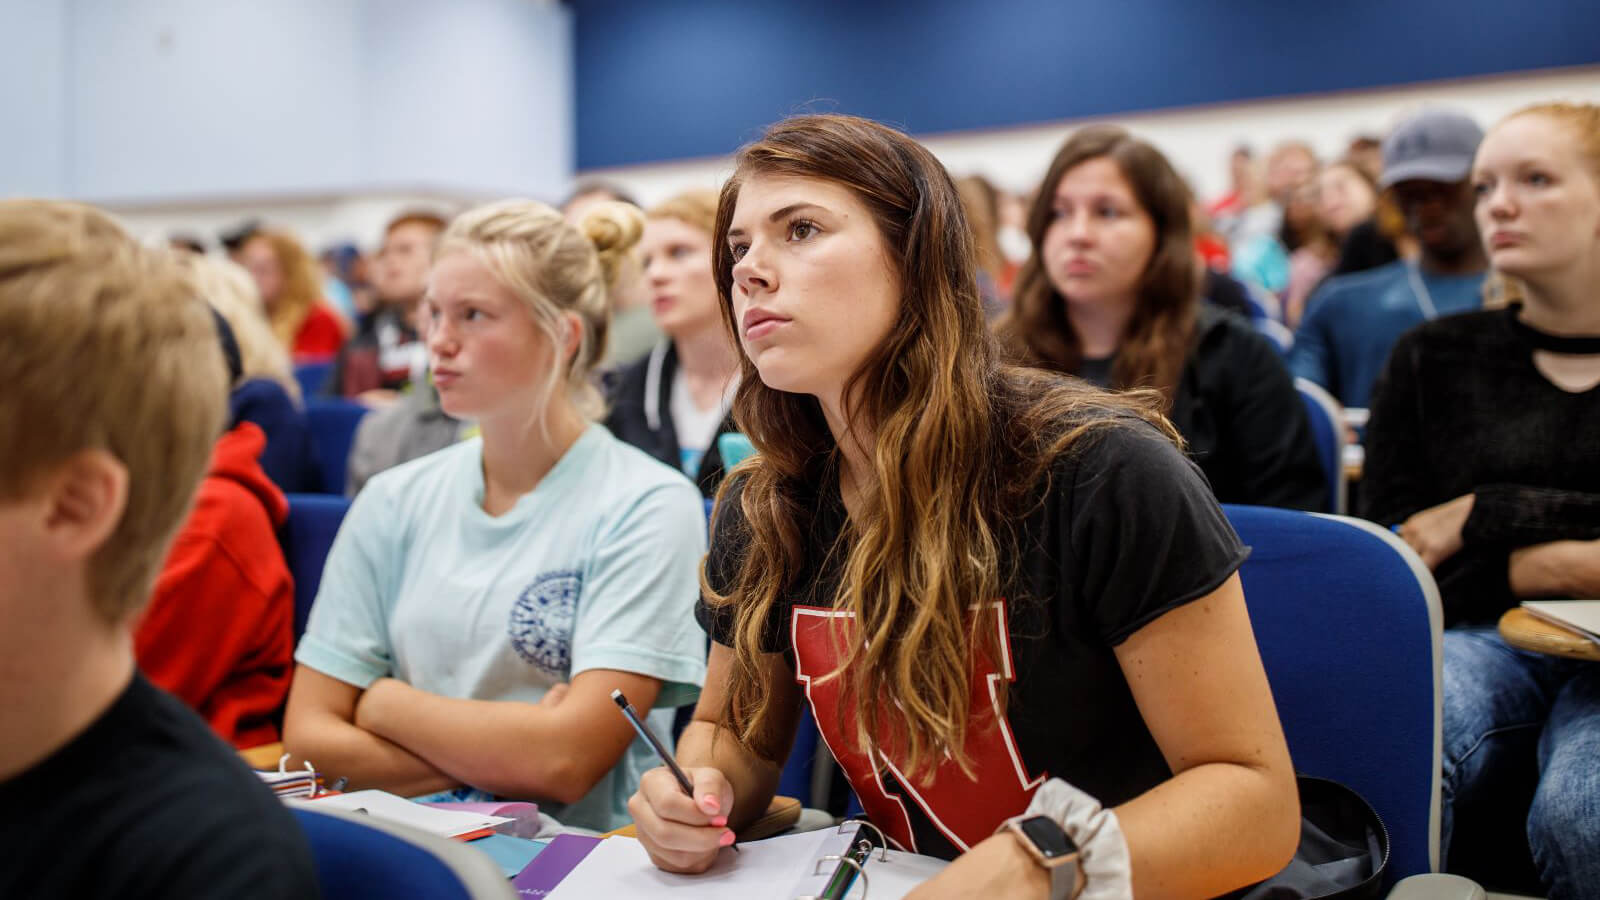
x=1046, y=834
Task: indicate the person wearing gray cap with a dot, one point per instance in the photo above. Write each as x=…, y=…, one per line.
x=1352, y=321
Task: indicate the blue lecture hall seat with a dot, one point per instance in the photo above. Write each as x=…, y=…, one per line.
x=333, y=425
x=1349, y=625
x=1327, y=427
x=312, y=377
x=1281, y=338
x=307, y=536
x=359, y=857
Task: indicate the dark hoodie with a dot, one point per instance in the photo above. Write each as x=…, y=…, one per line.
x=640, y=415
x=217, y=632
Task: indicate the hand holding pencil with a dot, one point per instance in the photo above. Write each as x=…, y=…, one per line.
x=681, y=814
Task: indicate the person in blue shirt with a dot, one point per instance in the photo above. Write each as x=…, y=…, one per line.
x=480, y=603
x=1352, y=321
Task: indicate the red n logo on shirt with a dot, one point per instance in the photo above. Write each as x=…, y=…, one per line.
x=964, y=810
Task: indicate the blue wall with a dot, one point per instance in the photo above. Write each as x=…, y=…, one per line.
x=669, y=79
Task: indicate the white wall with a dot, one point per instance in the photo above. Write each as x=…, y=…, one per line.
x=33, y=53
x=318, y=221
x=1197, y=140
x=475, y=96
x=182, y=103
x=194, y=98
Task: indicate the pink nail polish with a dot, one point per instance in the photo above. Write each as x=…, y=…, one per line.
x=720, y=821
x=726, y=840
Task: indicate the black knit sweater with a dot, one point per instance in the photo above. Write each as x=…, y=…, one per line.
x=1461, y=409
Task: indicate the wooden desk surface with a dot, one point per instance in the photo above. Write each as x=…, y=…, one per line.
x=263, y=757
x=1527, y=631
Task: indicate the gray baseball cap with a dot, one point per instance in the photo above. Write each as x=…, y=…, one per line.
x=1433, y=145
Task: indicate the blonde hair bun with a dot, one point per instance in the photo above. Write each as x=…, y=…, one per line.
x=614, y=228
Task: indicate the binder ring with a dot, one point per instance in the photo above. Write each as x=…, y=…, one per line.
x=846, y=860
x=316, y=785
x=883, y=842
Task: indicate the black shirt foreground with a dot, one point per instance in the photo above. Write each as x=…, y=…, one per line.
x=1461, y=409
x=1125, y=531
x=147, y=802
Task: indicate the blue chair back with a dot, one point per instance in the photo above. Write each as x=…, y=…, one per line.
x=333, y=424
x=365, y=858
x=307, y=535
x=1348, y=622
x=1277, y=334
x=1327, y=427
x=313, y=377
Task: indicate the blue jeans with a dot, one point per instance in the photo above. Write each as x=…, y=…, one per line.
x=1522, y=738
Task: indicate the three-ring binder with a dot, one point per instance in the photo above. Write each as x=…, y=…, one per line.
x=852, y=863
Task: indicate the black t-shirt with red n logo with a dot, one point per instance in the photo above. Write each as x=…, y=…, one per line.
x=1127, y=530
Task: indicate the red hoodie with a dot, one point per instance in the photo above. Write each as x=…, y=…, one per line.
x=218, y=631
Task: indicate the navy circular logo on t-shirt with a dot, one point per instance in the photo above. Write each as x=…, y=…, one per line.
x=542, y=620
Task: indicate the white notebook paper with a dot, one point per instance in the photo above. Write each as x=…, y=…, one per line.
x=779, y=868
x=392, y=808
x=1582, y=615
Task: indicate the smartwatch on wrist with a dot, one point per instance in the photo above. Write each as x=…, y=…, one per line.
x=1050, y=847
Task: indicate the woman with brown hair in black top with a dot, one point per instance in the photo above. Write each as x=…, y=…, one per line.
x=992, y=586
x=1484, y=453
x=1112, y=295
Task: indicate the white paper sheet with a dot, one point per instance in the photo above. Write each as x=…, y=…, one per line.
x=1583, y=615
x=779, y=868
x=392, y=808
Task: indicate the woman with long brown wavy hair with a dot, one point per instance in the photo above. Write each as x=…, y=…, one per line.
x=993, y=586
x=1112, y=294
x=287, y=277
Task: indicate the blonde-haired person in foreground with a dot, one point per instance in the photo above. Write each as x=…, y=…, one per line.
x=115, y=391
x=481, y=603
x=265, y=391
x=1481, y=453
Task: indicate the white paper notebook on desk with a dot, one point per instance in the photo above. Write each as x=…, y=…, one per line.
x=779, y=868
x=392, y=808
x=1582, y=616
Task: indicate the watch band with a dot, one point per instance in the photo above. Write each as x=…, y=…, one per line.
x=1066, y=882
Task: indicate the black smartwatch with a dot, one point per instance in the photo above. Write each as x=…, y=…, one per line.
x=1050, y=847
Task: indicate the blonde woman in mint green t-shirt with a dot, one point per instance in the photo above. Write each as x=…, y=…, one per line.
x=480, y=604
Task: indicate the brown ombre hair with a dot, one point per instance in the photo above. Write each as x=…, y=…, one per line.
x=1151, y=354
x=959, y=443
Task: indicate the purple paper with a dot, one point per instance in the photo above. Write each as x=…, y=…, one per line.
x=510, y=809
x=549, y=867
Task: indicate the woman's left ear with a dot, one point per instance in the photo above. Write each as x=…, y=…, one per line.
x=571, y=335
